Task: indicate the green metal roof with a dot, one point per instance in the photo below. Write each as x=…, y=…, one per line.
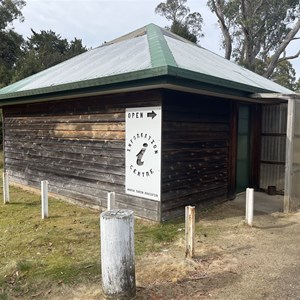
x=147, y=56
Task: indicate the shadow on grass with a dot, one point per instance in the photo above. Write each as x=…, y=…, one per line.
x=278, y=226
x=16, y=203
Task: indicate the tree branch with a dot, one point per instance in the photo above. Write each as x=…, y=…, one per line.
x=218, y=9
x=258, y=7
x=274, y=59
x=289, y=57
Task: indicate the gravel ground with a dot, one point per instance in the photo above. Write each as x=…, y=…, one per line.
x=233, y=261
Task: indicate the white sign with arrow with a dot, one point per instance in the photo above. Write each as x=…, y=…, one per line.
x=143, y=152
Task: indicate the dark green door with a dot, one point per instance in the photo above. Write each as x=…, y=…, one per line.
x=243, y=151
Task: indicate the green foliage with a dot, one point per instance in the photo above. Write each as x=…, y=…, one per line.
x=297, y=86
x=183, y=31
x=10, y=10
x=187, y=25
x=10, y=50
x=11, y=42
x=20, y=58
x=285, y=75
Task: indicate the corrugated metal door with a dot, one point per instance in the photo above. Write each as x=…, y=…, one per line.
x=273, y=145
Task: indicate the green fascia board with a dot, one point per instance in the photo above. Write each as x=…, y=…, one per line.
x=215, y=81
x=160, y=52
x=148, y=83
x=86, y=84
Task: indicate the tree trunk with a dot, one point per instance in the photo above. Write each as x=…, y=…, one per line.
x=281, y=49
x=218, y=7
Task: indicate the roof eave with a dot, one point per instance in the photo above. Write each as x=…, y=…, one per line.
x=217, y=81
x=86, y=84
x=168, y=76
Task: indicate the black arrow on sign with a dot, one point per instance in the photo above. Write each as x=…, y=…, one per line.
x=151, y=114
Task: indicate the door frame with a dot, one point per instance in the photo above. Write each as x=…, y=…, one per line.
x=255, y=146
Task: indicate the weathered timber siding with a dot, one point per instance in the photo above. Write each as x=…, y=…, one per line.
x=78, y=146
x=195, y=156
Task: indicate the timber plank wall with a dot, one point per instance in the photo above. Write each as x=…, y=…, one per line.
x=78, y=146
x=195, y=155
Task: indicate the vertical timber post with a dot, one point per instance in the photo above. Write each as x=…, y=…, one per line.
x=111, y=200
x=189, y=231
x=5, y=188
x=249, y=206
x=117, y=254
x=44, y=192
x=289, y=156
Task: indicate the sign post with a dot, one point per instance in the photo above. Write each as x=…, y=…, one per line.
x=143, y=152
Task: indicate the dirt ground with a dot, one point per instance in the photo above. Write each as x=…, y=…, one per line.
x=233, y=261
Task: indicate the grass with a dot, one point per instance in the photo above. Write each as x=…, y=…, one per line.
x=61, y=250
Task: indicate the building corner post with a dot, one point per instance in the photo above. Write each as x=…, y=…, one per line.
x=289, y=155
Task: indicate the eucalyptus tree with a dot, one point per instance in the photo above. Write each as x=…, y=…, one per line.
x=10, y=10
x=10, y=41
x=184, y=23
x=256, y=33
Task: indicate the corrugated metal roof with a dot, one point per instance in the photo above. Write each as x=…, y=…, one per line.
x=123, y=57
x=197, y=59
x=145, y=53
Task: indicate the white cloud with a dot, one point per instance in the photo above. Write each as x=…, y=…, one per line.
x=96, y=21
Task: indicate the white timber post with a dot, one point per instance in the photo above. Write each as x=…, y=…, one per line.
x=249, y=206
x=117, y=253
x=289, y=156
x=111, y=200
x=44, y=192
x=5, y=188
x=189, y=231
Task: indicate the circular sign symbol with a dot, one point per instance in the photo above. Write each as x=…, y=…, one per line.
x=141, y=151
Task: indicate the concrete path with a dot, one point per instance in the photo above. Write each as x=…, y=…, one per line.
x=262, y=202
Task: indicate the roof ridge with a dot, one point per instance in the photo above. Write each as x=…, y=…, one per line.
x=133, y=34
x=160, y=52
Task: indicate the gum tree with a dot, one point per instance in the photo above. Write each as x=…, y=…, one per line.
x=184, y=23
x=256, y=33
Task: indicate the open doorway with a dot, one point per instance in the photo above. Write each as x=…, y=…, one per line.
x=243, y=149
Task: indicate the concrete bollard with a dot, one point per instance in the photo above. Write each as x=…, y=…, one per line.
x=44, y=199
x=5, y=188
x=117, y=254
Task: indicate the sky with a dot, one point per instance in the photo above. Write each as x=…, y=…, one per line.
x=99, y=21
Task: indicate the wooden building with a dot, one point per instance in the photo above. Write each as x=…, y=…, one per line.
x=158, y=120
